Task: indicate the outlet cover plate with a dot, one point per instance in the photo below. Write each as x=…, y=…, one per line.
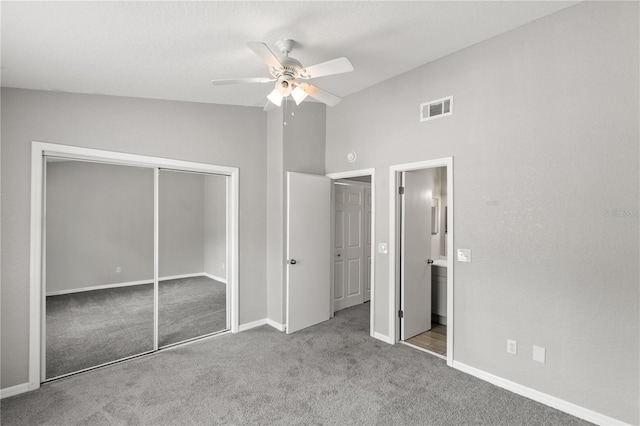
x=539, y=354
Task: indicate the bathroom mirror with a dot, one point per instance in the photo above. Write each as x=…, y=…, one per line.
x=435, y=216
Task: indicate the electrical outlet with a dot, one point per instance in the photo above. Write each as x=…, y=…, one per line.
x=539, y=354
x=222, y=266
x=512, y=347
x=118, y=269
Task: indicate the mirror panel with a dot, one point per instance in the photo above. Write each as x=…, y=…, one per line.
x=98, y=264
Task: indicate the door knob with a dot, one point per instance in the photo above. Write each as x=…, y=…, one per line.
x=429, y=261
x=292, y=262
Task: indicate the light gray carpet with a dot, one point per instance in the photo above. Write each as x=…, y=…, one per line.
x=94, y=327
x=332, y=373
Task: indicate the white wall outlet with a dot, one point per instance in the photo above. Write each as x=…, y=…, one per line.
x=382, y=248
x=464, y=255
x=539, y=354
x=512, y=347
x=118, y=269
x=222, y=266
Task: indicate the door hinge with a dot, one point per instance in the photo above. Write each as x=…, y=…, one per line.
x=401, y=190
x=401, y=314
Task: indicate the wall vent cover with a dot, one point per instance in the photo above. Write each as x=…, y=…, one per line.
x=436, y=109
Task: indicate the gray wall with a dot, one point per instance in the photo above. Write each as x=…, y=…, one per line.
x=215, y=134
x=545, y=142
x=181, y=223
x=215, y=225
x=297, y=146
x=99, y=217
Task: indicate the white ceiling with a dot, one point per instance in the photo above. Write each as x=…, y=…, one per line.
x=171, y=50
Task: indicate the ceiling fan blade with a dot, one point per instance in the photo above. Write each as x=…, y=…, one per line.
x=319, y=94
x=334, y=66
x=222, y=82
x=265, y=54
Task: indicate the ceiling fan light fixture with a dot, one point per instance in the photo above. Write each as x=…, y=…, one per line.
x=275, y=97
x=298, y=95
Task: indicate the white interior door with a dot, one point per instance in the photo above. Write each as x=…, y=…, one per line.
x=308, y=268
x=416, y=255
x=349, y=243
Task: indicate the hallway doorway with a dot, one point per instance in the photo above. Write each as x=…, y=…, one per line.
x=353, y=230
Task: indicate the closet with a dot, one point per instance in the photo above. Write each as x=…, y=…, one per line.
x=134, y=259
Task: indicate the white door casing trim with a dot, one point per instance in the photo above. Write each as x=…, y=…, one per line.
x=38, y=151
x=345, y=175
x=393, y=250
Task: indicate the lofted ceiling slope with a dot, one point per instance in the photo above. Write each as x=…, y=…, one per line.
x=172, y=50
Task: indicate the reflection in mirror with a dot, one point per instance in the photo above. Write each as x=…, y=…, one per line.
x=98, y=263
x=192, y=290
x=435, y=216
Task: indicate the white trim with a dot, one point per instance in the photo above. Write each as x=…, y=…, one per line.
x=98, y=287
x=215, y=277
x=252, y=324
x=14, y=390
x=437, y=355
x=393, y=238
x=36, y=295
x=180, y=276
x=383, y=337
x=36, y=320
x=132, y=283
x=276, y=325
x=353, y=173
x=541, y=397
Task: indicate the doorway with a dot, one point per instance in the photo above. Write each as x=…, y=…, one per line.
x=116, y=269
x=421, y=256
x=353, y=230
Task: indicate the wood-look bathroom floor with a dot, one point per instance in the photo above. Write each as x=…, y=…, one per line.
x=434, y=340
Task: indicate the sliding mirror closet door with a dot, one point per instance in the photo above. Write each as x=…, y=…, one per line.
x=99, y=264
x=192, y=256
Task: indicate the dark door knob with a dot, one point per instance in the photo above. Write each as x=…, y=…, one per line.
x=429, y=261
x=292, y=262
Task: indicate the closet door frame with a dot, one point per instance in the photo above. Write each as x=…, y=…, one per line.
x=39, y=152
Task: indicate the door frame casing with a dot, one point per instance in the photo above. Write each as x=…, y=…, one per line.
x=36, y=280
x=394, y=247
x=346, y=175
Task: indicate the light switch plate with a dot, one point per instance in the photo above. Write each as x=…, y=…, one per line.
x=464, y=255
x=382, y=248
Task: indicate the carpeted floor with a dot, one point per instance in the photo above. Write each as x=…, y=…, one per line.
x=332, y=373
x=94, y=327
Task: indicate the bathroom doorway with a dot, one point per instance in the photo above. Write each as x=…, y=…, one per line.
x=422, y=214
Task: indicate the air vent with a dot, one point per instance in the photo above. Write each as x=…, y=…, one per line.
x=435, y=109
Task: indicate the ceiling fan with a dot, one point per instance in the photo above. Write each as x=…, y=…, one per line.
x=286, y=71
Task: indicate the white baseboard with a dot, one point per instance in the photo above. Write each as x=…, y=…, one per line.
x=260, y=322
x=98, y=287
x=215, y=278
x=132, y=283
x=180, y=276
x=14, y=390
x=382, y=337
x=551, y=401
x=276, y=325
x=253, y=324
